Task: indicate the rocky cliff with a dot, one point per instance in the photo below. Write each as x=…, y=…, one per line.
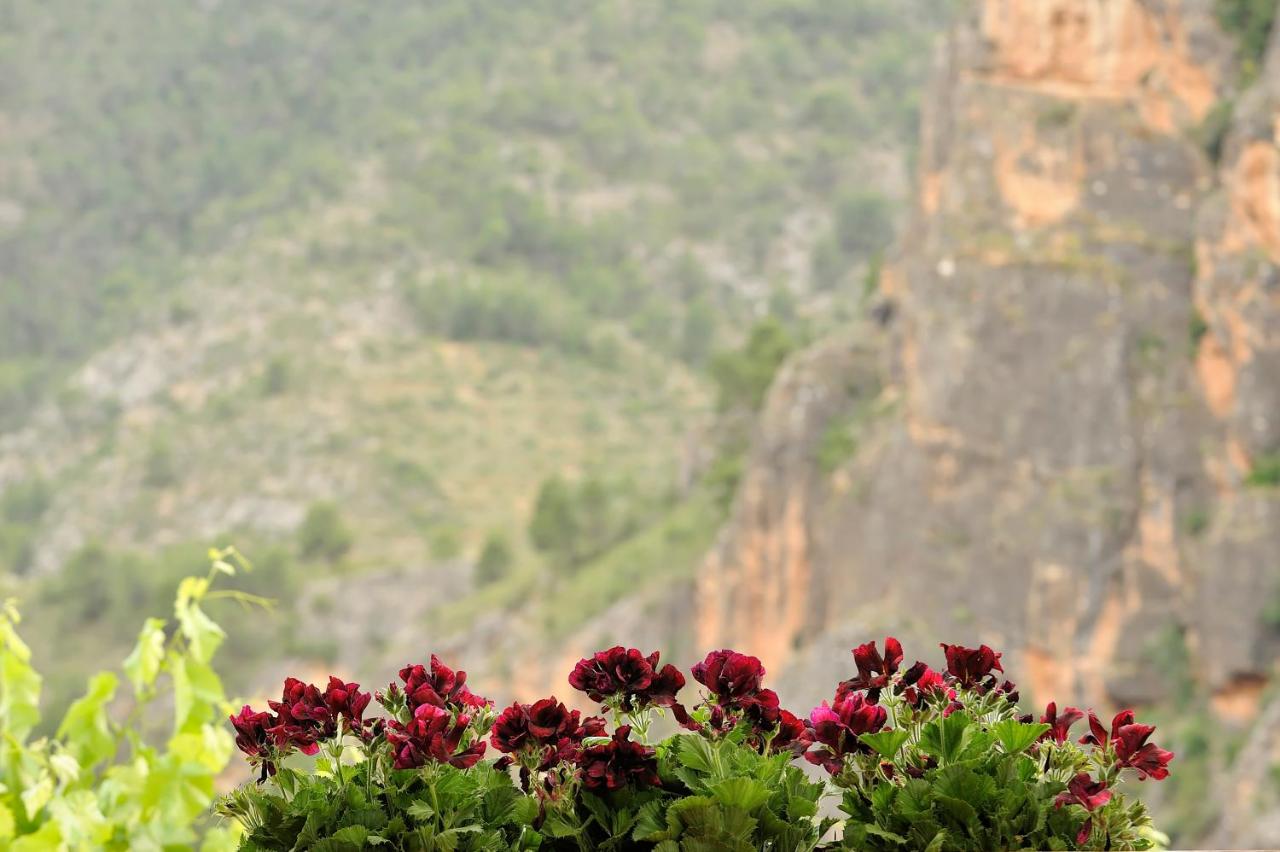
x=1057, y=419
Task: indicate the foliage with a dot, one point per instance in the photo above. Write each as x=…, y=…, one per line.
x=495, y=559
x=98, y=784
x=1250, y=21
x=323, y=534
x=921, y=759
x=574, y=522
x=1266, y=471
x=743, y=376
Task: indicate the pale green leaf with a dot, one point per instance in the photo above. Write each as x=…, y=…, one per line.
x=143, y=665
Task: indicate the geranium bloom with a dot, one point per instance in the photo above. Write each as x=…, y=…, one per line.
x=628, y=677
x=546, y=730
x=346, y=701
x=920, y=681
x=970, y=666
x=836, y=729
x=611, y=766
x=874, y=671
x=302, y=717
x=730, y=676
x=253, y=737
x=439, y=687
x=1087, y=793
x=432, y=735
x=1130, y=742
x=1059, y=726
x=793, y=735
x=1083, y=790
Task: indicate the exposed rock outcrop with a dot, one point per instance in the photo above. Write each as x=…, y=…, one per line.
x=1080, y=372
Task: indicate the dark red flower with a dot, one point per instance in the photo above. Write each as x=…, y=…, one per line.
x=1009, y=690
x=628, y=677
x=920, y=682
x=970, y=666
x=1133, y=751
x=613, y=765
x=346, y=701
x=793, y=735
x=730, y=676
x=546, y=732
x=874, y=671
x=432, y=735
x=1084, y=791
x=440, y=687
x=836, y=729
x=302, y=718
x=1059, y=726
x=253, y=737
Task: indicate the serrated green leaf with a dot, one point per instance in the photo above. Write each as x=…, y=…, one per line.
x=886, y=743
x=1015, y=736
x=745, y=793
x=86, y=728
x=142, y=666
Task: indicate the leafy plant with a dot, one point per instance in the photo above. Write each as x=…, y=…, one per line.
x=922, y=760
x=97, y=783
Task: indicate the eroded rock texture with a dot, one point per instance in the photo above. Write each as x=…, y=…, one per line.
x=1054, y=427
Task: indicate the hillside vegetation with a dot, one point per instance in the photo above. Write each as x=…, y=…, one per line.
x=351, y=286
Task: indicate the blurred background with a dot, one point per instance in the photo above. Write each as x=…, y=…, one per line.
x=513, y=330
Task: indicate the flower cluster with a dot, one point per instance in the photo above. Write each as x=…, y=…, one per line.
x=627, y=680
x=302, y=718
x=884, y=724
x=539, y=737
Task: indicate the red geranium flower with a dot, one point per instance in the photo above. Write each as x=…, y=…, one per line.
x=546, y=731
x=432, y=735
x=628, y=677
x=970, y=666
x=345, y=700
x=1059, y=726
x=611, y=766
x=440, y=687
x=1084, y=791
x=793, y=735
x=1087, y=793
x=253, y=737
x=920, y=681
x=731, y=677
x=874, y=671
x=836, y=729
x=1130, y=743
x=302, y=717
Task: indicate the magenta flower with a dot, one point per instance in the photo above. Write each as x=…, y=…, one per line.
x=836, y=729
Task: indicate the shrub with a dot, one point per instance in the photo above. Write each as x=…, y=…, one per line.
x=323, y=534
x=97, y=785
x=921, y=759
x=1266, y=471
x=494, y=561
x=742, y=377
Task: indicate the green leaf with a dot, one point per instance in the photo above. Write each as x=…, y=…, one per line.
x=745, y=793
x=886, y=743
x=1016, y=736
x=197, y=692
x=19, y=682
x=86, y=728
x=202, y=634
x=142, y=666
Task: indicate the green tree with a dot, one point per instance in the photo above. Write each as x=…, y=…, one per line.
x=323, y=535
x=554, y=527
x=495, y=559
x=743, y=376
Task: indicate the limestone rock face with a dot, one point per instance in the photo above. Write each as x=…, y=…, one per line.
x=1055, y=424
